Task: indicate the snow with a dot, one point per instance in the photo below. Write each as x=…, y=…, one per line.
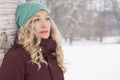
x=92, y=60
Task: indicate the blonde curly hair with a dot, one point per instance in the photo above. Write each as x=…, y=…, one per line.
x=27, y=37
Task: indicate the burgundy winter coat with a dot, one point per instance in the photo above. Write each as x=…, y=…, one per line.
x=17, y=66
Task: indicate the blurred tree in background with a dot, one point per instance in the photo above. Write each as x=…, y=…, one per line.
x=78, y=19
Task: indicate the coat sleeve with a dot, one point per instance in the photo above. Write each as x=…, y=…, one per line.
x=12, y=67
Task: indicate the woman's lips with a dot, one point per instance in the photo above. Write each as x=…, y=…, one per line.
x=43, y=32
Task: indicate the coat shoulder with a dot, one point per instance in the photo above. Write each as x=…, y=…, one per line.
x=13, y=64
x=16, y=54
x=16, y=51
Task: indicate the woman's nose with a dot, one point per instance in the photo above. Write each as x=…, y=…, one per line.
x=43, y=24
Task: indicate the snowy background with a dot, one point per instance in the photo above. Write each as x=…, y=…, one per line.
x=90, y=60
x=90, y=19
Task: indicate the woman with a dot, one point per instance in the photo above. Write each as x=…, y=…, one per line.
x=36, y=53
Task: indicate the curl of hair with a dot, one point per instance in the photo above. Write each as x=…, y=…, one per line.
x=27, y=38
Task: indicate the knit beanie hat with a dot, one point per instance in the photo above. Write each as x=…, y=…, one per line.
x=28, y=9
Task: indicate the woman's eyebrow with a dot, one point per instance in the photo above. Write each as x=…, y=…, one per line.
x=47, y=15
x=37, y=15
x=40, y=16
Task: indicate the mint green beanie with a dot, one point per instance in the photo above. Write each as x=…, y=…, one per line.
x=28, y=9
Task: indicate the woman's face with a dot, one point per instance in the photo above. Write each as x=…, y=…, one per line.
x=42, y=24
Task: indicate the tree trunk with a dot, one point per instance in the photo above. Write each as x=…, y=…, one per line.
x=8, y=25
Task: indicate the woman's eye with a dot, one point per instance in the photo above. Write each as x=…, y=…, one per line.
x=36, y=20
x=47, y=18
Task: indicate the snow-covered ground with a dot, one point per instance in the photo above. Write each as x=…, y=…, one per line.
x=92, y=61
